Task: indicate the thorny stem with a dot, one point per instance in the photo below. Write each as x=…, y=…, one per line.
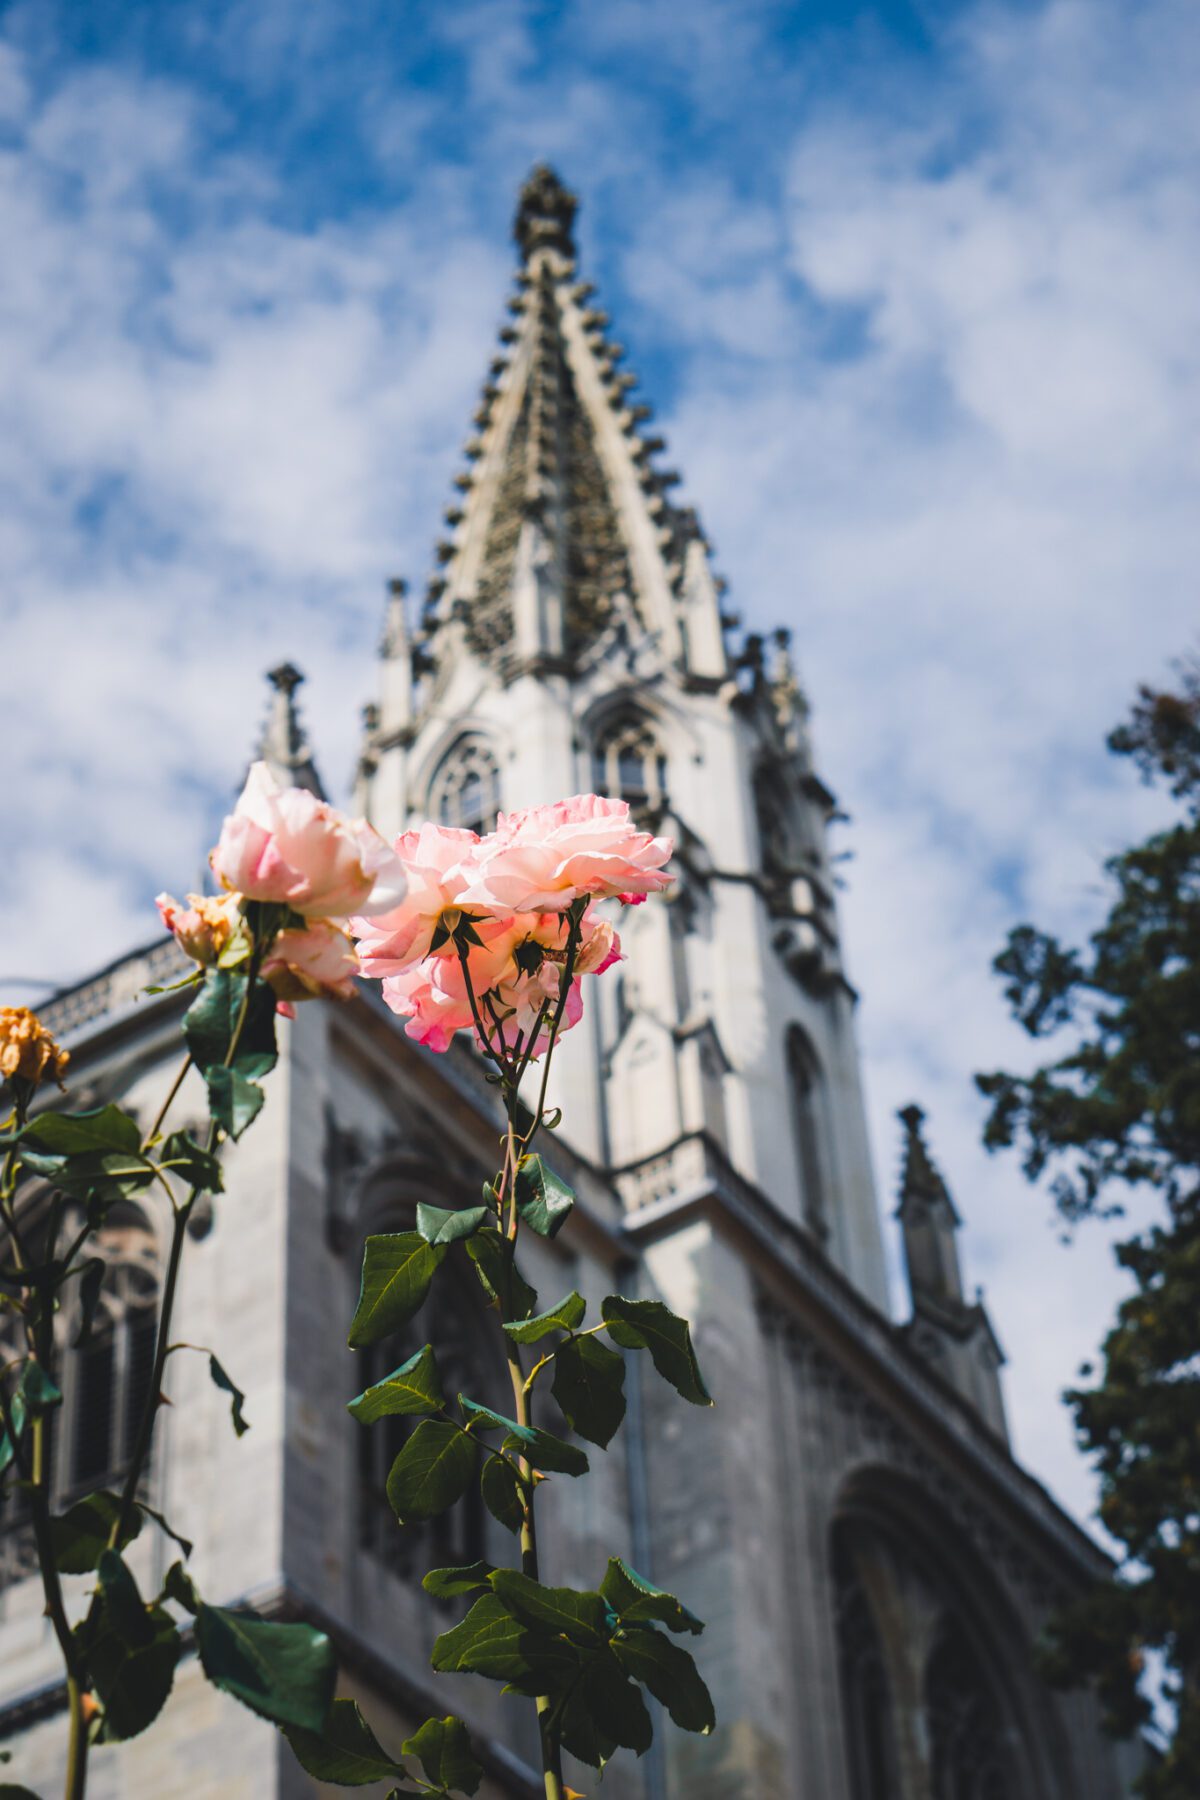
x=182, y=1214
x=516, y=1147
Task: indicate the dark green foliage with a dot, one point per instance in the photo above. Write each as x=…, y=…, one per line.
x=639, y=1602
x=415, y=1387
x=500, y=1486
x=443, y=1749
x=541, y=1448
x=210, y=1026
x=1120, y=1107
x=105, y=1130
x=470, y=1578
x=182, y=1157
x=589, y=1384
x=237, y=1399
x=345, y=1751
x=433, y=1470
x=543, y=1200
x=81, y=1534
x=585, y=1655
x=130, y=1650
x=286, y=1673
x=397, y=1270
x=437, y=1226
x=649, y=1325
x=499, y=1276
x=566, y=1316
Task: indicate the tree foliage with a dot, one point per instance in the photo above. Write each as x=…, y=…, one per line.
x=1119, y=1109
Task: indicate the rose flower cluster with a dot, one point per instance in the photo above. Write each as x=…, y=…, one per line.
x=460, y=929
x=513, y=891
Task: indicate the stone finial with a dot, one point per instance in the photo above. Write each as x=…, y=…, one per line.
x=920, y=1182
x=545, y=215
x=284, y=746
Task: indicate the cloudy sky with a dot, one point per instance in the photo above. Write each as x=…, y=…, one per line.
x=912, y=288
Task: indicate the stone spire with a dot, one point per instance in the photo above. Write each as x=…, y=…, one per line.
x=284, y=747
x=946, y=1329
x=545, y=215
x=564, y=533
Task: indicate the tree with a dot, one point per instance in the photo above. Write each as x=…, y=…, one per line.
x=1120, y=1109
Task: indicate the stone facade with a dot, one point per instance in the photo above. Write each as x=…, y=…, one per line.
x=872, y=1564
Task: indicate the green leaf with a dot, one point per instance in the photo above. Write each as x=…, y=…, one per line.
x=543, y=1200
x=124, y=1606
x=91, y=1280
x=443, y=1749
x=437, y=1226
x=589, y=1382
x=37, y=1389
x=11, y=1790
x=285, y=1673
x=490, y=1642
x=233, y=1099
x=432, y=1471
x=500, y=1486
x=345, y=1751
x=499, y=1276
x=415, y=1387
x=568, y=1314
x=636, y=1600
x=130, y=1650
x=16, y=1411
x=80, y=1535
x=605, y=1708
x=104, y=1176
x=179, y=1586
x=671, y=1676
x=397, y=1270
x=185, y=1544
x=74, y=1134
x=133, y=1682
x=182, y=1156
x=579, y=1616
x=541, y=1448
x=649, y=1325
x=211, y=1020
x=443, y=1584
x=240, y=1424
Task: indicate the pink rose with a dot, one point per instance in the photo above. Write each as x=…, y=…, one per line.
x=545, y=857
x=305, y=965
x=434, y=1003
x=203, y=927
x=437, y=863
x=285, y=846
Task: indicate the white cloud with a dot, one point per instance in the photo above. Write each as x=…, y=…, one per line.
x=937, y=390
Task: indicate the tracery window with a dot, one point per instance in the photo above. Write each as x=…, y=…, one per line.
x=804, y=1077
x=866, y=1697
x=970, y=1755
x=465, y=791
x=453, y=1320
x=628, y=763
x=105, y=1379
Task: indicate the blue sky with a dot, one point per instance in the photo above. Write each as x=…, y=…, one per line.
x=912, y=290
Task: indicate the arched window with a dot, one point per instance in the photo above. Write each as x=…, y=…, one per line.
x=866, y=1697
x=628, y=764
x=804, y=1081
x=465, y=791
x=104, y=1376
x=970, y=1755
x=454, y=1322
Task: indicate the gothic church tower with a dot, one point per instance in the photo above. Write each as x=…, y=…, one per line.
x=574, y=639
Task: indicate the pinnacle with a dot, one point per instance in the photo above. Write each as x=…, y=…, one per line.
x=919, y=1180
x=284, y=747
x=545, y=215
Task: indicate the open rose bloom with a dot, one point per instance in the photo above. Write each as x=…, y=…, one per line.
x=501, y=903
x=460, y=930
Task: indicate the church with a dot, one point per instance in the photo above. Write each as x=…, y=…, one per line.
x=873, y=1565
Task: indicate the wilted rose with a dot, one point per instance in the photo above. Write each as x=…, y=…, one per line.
x=204, y=926
x=27, y=1051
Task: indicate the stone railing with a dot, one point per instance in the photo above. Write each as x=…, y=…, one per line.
x=114, y=989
